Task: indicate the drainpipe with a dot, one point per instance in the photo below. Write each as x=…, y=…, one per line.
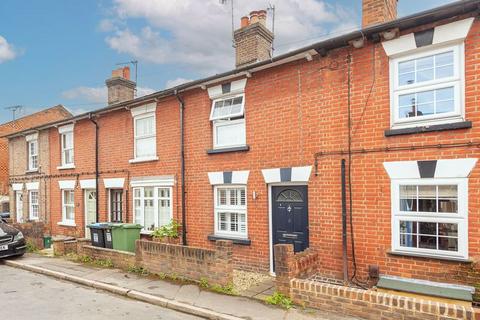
x=344, y=223
x=97, y=175
x=182, y=164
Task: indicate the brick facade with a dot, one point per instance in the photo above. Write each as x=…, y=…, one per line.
x=378, y=11
x=45, y=116
x=296, y=115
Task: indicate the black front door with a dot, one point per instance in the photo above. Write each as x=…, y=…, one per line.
x=290, y=216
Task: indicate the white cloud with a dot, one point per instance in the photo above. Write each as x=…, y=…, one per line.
x=7, y=51
x=97, y=95
x=176, y=82
x=197, y=34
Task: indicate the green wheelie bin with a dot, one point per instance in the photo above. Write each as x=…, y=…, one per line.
x=125, y=235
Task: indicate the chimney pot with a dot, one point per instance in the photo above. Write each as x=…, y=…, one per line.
x=244, y=22
x=253, y=17
x=262, y=17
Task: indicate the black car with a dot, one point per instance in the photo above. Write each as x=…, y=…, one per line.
x=12, y=242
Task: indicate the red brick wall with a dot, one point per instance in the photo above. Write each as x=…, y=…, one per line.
x=292, y=112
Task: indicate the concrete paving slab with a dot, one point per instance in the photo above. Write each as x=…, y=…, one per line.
x=239, y=306
x=188, y=294
x=158, y=288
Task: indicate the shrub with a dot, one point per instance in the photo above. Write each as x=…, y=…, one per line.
x=32, y=247
x=170, y=230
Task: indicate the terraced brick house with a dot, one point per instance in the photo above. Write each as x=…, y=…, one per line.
x=363, y=147
x=19, y=157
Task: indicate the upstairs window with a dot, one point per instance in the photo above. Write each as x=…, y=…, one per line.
x=230, y=211
x=32, y=155
x=66, y=146
x=145, y=136
x=227, y=115
x=428, y=87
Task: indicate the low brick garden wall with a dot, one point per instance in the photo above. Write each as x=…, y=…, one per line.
x=32, y=231
x=292, y=270
x=213, y=265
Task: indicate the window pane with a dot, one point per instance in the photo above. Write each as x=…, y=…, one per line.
x=448, y=244
x=408, y=227
x=145, y=126
x=234, y=222
x=408, y=198
x=232, y=134
x=138, y=211
x=425, y=75
x=406, y=67
x=222, y=197
x=227, y=108
x=425, y=109
x=148, y=192
x=406, y=78
x=444, y=59
x=408, y=240
x=448, y=199
x=233, y=197
x=69, y=213
x=448, y=229
x=145, y=147
x=222, y=221
x=427, y=198
x=425, y=63
x=427, y=242
x=444, y=72
x=149, y=215
x=427, y=228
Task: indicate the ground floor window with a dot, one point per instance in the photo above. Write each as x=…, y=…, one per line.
x=230, y=211
x=116, y=205
x=34, y=206
x=152, y=206
x=68, y=207
x=430, y=217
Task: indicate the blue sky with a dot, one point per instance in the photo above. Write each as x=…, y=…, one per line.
x=61, y=51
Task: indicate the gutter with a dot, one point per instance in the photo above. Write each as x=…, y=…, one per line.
x=322, y=47
x=97, y=174
x=182, y=165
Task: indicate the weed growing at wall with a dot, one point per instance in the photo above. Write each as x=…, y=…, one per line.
x=278, y=299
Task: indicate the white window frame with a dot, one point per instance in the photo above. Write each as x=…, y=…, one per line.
x=63, y=149
x=152, y=135
x=224, y=121
x=156, y=198
x=457, y=81
x=235, y=209
x=33, y=205
x=32, y=156
x=65, y=221
x=460, y=218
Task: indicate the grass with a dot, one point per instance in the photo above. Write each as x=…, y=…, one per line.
x=102, y=263
x=278, y=299
x=32, y=247
x=138, y=270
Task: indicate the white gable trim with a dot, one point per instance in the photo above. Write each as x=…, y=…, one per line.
x=66, y=184
x=147, y=108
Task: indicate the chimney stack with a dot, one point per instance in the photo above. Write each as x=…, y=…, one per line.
x=120, y=87
x=378, y=11
x=253, y=41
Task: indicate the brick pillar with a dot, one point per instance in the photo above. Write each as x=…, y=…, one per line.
x=283, y=267
x=80, y=243
x=58, y=247
x=224, y=261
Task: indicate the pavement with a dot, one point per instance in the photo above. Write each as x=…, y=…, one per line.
x=178, y=296
x=28, y=295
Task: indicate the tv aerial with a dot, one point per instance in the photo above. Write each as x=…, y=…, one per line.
x=14, y=110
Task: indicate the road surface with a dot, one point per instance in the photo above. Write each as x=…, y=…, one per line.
x=27, y=295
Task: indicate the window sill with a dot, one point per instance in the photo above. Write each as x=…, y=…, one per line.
x=429, y=128
x=146, y=159
x=66, y=224
x=427, y=256
x=228, y=149
x=242, y=241
x=31, y=171
x=65, y=167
